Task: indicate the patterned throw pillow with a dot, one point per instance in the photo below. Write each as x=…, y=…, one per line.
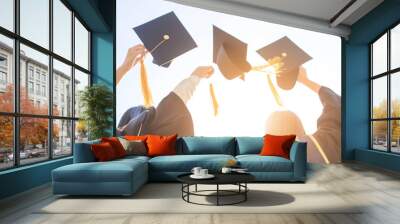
x=133, y=147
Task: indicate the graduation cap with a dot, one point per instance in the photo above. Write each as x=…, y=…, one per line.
x=230, y=54
x=165, y=38
x=290, y=55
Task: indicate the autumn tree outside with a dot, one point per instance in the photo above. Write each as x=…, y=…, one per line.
x=33, y=132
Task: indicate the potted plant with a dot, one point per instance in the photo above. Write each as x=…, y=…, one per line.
x=96, y=104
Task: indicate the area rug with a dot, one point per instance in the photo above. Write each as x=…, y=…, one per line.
x=166, y=198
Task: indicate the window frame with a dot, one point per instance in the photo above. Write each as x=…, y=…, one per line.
x=16, y=114
x=388, y=74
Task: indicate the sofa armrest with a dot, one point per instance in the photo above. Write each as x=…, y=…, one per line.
x=83, y=152
x=298, y=155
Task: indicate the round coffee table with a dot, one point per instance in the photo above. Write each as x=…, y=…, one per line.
x=238, y=179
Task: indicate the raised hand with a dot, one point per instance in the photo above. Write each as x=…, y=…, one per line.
x=303, y=78
x=133, y=56
x=203, y=71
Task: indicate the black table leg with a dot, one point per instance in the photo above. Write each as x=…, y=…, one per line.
x=245, y=193
x=217, y=194
x=220, y=193
x=188, y=190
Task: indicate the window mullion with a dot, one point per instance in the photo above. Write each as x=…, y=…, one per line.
x=389, y=88
x=371, y=142
x=16, y=70
x=73, y=82
x=50, y=81
x=89, y=55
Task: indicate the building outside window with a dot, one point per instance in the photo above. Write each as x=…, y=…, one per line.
x=3, y=81
x=3, y=61
x=3, y=72
x=44, y=77
x=30, y=87
x=43, y=90
x=57, y=128
x=37, y=75
x=3, y=78
x=30, y=72
x=385, y=91
x=38, y=89
x=55, y=97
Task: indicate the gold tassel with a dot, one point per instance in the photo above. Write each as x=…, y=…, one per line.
x=271, y=87
x=146, y=92
x=274, y=92
x=214, y=99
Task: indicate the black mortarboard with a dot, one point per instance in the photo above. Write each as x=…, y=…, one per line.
x=230, y=54
x=292, y=57
x=165, y=38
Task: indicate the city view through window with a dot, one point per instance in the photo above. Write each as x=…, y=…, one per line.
x=40, y=84
x=385, y=87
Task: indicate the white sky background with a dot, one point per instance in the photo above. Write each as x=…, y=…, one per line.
x=35, y=27
x=379, y=58
x=244, y=106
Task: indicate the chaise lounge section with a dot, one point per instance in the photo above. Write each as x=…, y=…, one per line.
x=88, y=177
x=125, y=176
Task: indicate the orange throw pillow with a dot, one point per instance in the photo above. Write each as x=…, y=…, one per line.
x=116, y=145
x=161, y=145
x=135, y=138
x=277, y=145
x=103, y=152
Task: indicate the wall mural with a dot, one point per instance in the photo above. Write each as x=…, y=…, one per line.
x=188, y=71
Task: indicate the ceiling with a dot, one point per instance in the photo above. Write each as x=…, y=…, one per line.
x=327, y=16
x=320, y=9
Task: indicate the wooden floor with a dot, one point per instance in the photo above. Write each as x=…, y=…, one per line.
x=378, y=189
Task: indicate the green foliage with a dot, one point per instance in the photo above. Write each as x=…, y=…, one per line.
x=96, y=103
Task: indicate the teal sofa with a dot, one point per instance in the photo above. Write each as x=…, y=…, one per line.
x=125, y=176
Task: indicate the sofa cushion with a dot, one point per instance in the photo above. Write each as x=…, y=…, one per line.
x=132, y=160
x=257, y=163
x=161, y=145
x=206, y=145
x=133, y=157
x=249, y=145
x=111, y=171
x=275, y=145
x=134, y=147
x=185, y=163
x=135, y=137
x=83, y=152
x=103, y=152
x=116, y=145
